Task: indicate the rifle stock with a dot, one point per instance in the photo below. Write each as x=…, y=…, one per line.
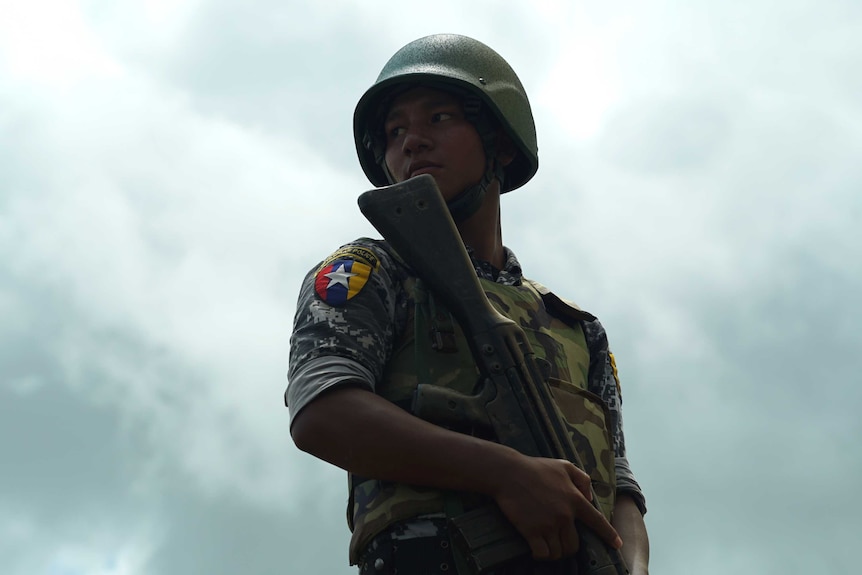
x=514, y=398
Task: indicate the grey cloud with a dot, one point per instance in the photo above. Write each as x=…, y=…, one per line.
x=297, y=68
x=69, y=467
x=281, y=68
x=753, y=443
x=78, y=478
x=87, y=466
x=678, y=134
x=60, y=456
x=714, y=233
x=735, y=326
x=226, y=536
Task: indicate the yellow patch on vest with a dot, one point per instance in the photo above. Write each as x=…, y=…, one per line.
x=616, y=374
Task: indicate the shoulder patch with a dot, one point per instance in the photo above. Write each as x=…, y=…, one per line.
x=343, y=274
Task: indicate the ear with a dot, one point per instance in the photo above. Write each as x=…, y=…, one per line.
x=506, y=151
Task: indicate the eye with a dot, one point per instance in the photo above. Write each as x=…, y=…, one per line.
x=394, y=132
x=440, y=117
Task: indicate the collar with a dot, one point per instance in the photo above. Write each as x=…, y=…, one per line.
x=511, y=273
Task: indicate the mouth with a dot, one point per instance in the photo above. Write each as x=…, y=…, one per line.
x=421, y=168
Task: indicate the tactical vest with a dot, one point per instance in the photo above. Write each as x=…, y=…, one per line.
x=434, y=350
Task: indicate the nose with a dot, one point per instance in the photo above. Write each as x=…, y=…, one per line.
x=415, y=140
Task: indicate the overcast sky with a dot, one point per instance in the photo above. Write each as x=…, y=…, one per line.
x=170, y=170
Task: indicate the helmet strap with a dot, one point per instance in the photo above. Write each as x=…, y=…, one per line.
x=470, y=200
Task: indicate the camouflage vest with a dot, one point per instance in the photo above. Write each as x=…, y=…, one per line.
x=434, y=350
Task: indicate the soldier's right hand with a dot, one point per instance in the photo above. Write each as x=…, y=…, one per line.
x=543, y=498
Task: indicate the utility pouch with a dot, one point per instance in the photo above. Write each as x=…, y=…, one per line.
x=486, y=539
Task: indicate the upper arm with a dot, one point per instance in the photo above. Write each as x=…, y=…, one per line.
x=603, y=380
x=344, y=340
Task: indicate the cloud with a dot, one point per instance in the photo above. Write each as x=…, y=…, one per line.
x=170, y=172
x=667, y=136
x=67, y=496
x=147, y=249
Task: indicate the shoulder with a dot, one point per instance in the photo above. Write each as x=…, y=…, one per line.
x=352, y=304
x=377, y=254
x=563, y=308
x=594, y=332
x=363, y=274
x=603, y=378
x=355, y=264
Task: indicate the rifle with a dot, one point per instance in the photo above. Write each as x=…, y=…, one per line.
x=514, y=398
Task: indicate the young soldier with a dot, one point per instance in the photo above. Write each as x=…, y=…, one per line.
x=367, y=332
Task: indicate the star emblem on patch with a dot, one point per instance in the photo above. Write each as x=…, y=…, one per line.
x=340, y=280
x=339, y=276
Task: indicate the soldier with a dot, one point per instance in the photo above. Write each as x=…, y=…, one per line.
x=367, y=332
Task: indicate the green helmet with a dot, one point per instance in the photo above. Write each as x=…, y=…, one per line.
x=466, y=66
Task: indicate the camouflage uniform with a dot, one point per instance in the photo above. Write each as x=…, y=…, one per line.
x=349, y=338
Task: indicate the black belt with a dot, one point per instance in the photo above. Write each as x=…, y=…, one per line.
x=398, y=551
x=405, y=550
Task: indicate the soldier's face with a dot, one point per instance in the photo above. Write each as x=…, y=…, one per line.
x=428, y=133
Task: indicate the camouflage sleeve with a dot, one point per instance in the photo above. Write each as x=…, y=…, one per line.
x=604, y=382
x=317, y=375
x=347, y=338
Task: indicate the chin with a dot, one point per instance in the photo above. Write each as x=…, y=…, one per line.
x=445, y=190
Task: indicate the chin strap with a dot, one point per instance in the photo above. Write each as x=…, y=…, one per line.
x=470, y=200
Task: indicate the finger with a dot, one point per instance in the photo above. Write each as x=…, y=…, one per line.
x=555, y=548
x=594, y=520
x=569, y=540
x=581, y=480
x=539, y=548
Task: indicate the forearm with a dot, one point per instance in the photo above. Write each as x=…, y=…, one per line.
x=369, y=436
x=629, y=523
